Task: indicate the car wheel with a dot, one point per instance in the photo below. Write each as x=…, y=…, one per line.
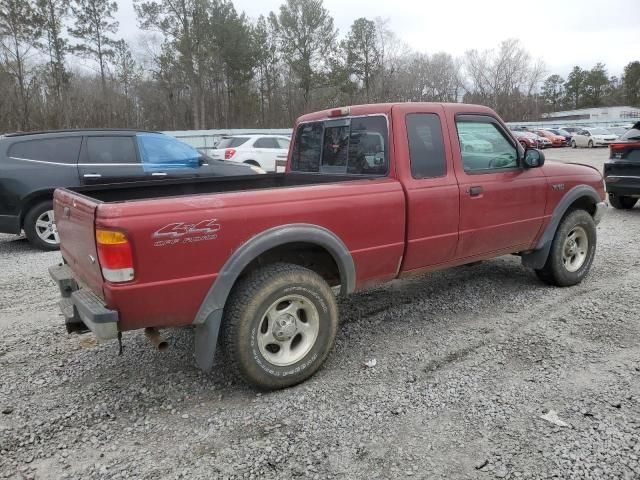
x=40, y=228
x=279, y=325
x=572, y=250
x=573, y=144
x=590, y=144
x=622, y=202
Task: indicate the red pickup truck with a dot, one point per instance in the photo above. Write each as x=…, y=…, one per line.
x=371, y=193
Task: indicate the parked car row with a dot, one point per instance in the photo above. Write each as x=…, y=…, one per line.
x=35, y=164
x=588, y=137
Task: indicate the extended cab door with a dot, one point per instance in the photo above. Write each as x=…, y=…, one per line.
x=425, y=166
x=109, y=159
x=501, y=203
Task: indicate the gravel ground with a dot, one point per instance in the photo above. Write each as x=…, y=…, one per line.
x=467, y=362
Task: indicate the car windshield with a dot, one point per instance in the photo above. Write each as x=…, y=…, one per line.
x=563, y=132
x=600, y=131
x=231, y=142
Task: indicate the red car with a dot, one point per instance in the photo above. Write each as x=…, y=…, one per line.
x=526, y=139
x=556, y=140
x=371, y=193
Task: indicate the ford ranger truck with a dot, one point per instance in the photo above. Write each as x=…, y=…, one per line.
x=371, y=193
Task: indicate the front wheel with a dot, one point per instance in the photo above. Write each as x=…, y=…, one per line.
x=572, y=250
x=40, y=228
x=573, y=144
x=279, y=325
x=622, y=202
x=590, y=144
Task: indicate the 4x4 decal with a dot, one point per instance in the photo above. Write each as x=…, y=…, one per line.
x=181, y=232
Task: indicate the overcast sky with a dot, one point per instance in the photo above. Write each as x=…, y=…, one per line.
x=561, y=32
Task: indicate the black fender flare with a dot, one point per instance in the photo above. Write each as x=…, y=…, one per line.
x=209, y=316
x=537, y=257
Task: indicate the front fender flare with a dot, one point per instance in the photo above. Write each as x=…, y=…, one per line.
x=537, y=257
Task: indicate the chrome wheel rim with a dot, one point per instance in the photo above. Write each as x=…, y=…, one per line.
x=575, y=248
x=288, y=330
x=46, y=228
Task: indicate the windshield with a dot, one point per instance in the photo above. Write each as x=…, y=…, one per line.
x=231, y=142
x=600, y=131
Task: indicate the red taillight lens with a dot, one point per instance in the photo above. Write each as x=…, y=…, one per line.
x=115, y=256
x=229, y=152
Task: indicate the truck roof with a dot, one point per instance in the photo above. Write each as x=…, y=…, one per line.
x=385, y=108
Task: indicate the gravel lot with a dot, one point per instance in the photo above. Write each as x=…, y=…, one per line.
x=468, y=360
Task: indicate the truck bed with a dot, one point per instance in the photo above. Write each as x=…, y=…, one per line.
x=178, y=187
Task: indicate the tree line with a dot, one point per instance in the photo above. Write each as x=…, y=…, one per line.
x=201, y=64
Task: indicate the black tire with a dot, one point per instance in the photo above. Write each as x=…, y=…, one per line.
x=554, y=271
x=622, y=202
x=245, y=318
x=590, y=144
x=30, y=229
x=573, y=144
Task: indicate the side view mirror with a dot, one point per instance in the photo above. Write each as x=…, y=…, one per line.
x=533, y=158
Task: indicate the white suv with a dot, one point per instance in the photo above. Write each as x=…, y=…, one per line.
x=260, y=150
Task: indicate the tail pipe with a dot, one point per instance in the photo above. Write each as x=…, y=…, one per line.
x=156, y=339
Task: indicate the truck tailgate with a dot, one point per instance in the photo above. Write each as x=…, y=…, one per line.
x=75, y=220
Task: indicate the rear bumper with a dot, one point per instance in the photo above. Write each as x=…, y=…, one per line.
x=623, y=184
x=83, y=308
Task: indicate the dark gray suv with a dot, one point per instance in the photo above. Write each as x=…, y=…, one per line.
x=33, y=165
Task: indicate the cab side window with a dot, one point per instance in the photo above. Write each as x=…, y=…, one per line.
x=484, y=147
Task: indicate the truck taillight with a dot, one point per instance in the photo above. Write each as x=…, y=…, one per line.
x=229, y=152
x=114, y=253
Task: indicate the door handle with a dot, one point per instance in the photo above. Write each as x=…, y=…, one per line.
x=92, y=175
x=159, y=174
x=475, y=191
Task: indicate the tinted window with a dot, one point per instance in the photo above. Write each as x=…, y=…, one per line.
x=59, y=150
x=484, y=147
x=426, y=147
x=161, y=152
x=266, y=142
x=111, y=150
x=356, y=146
x=232, y=142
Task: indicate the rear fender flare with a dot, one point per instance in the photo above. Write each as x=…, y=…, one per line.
x=209, y=316
x=538, y=256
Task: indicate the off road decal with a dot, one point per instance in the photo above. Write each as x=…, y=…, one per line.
x=182, y=233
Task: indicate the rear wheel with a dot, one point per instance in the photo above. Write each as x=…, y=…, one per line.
x=622, y=202
x=280, y=324
x=573, y=144
x=572, y=251
x=40, y=228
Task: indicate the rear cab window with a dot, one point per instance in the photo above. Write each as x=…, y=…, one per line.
x=232, y=142
x=352, y=146
x=52, y=150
